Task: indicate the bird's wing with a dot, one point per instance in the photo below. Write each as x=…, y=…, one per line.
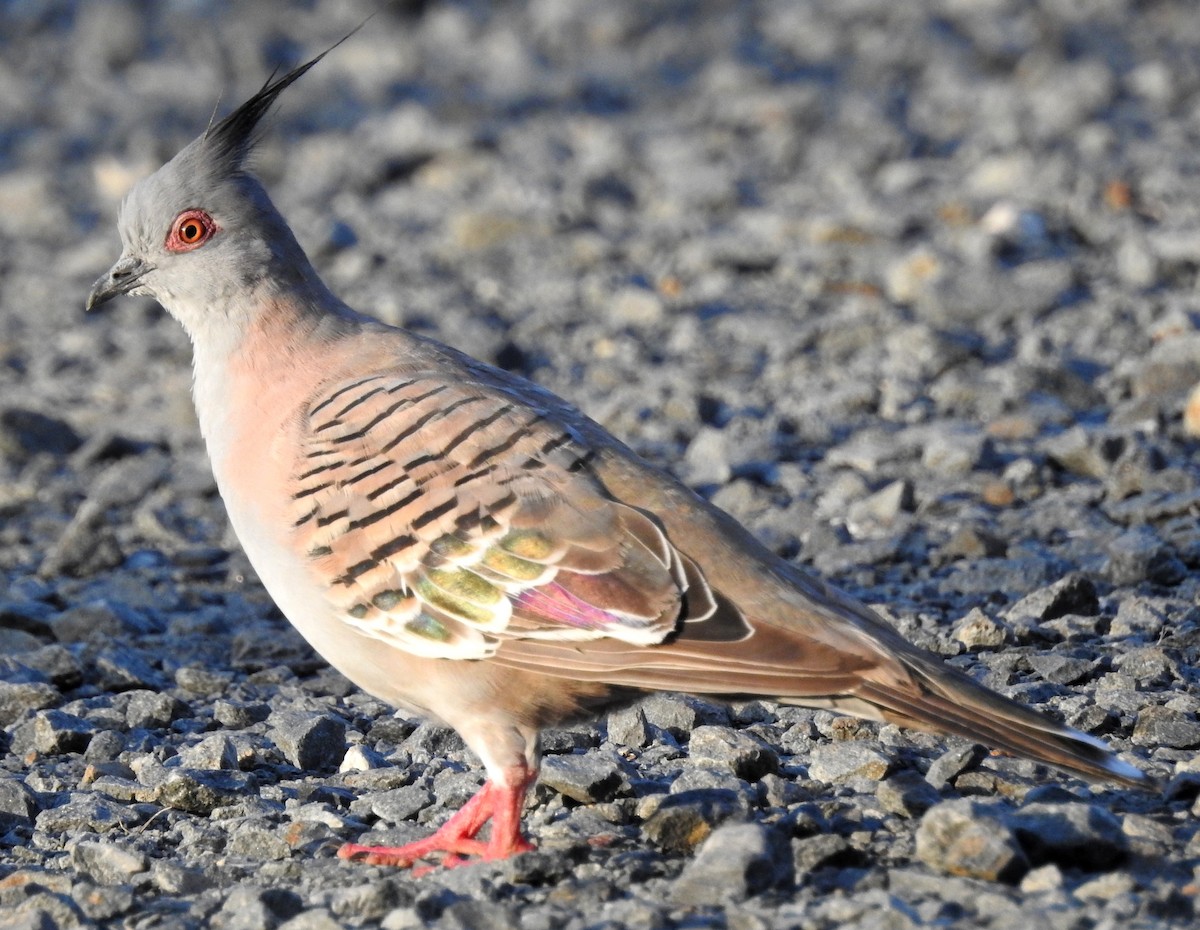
x=446, y=517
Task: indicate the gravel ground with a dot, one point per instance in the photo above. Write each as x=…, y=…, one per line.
x=909, y=288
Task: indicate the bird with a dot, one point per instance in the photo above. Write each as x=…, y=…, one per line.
x=468, y=547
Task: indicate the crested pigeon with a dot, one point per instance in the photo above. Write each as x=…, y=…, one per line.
x=467, y=546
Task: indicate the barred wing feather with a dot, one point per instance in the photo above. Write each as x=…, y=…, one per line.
x=445, y=518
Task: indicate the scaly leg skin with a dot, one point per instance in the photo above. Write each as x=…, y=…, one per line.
x=499, y=803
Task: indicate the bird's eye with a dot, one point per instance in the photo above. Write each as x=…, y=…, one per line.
x=191, y=229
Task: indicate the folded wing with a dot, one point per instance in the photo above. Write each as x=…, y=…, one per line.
x=446, y=518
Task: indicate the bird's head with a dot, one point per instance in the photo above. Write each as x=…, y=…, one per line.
x=200, y=232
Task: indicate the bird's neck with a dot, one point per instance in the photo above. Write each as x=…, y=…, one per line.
x=255, y=343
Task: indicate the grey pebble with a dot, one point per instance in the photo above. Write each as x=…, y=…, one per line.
x=361, y=759
x=311, y=920
x=1138, y=616
x=627, y=727
x=397, y=804
x=432, y=741
x=120, y=787
x=173, y=879
x=478, y=915
x=369, y=900
x=883, y=508
x=215, y=752
x=202, y=792
x=679, y=714
x=202, y=681
x=954, y=451
x=309, y=741
x=238, y=715
x=979, y=631
x=270, y=652
x=1161, y=726
x=57, y=663
x=1139, y=555
x=1106, y=888
x=865, y=452
x=963, y=837
x=779, y=791
x=908, y=794
x=153, y=710
x=823, y=851
x=1075, y=594
x=107, y=863
x=707, y=777
x=847, y=761
x=587, y=778
x=19, y=698
x=1149, y=665
x=1146, y=836
x=1063, y=669
x=100, y=902
x=1044, y=878
x=682, y=821
x=952, y=763
x=105, y=746
x=258, y=840
x=121, y=668
x=28, y=432
x=78, y=812
x=1078, y=835
x=15, y=641
x=18, y=805
x=1075, y=451
x=100, y=621
x=249, y=907
x=84, y=546
x=45, y=911
x=706, y=461
x=745, y=755
x=56, y=732
x=736, y=861
x=456, y=784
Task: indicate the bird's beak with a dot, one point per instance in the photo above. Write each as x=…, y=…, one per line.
x=121, y=278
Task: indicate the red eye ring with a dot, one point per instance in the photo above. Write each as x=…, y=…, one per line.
x=191, y=229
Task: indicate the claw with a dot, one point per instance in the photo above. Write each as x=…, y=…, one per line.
x=455, y=841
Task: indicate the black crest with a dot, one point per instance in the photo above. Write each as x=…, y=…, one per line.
x=231, y=140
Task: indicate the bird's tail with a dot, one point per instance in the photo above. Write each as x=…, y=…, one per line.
x=947, y=700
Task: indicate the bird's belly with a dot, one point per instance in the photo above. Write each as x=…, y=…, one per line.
x=252, y=455
x=374, y=666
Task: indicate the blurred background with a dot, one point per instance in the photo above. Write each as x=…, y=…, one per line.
x=749, y=237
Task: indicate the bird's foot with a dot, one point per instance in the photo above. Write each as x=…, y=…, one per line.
x=453, y=849
x=455, y=841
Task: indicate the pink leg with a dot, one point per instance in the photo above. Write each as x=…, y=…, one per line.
x=499, y=803
x=506, y=839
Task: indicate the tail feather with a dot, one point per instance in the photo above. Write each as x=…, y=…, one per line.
x=950, y=701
